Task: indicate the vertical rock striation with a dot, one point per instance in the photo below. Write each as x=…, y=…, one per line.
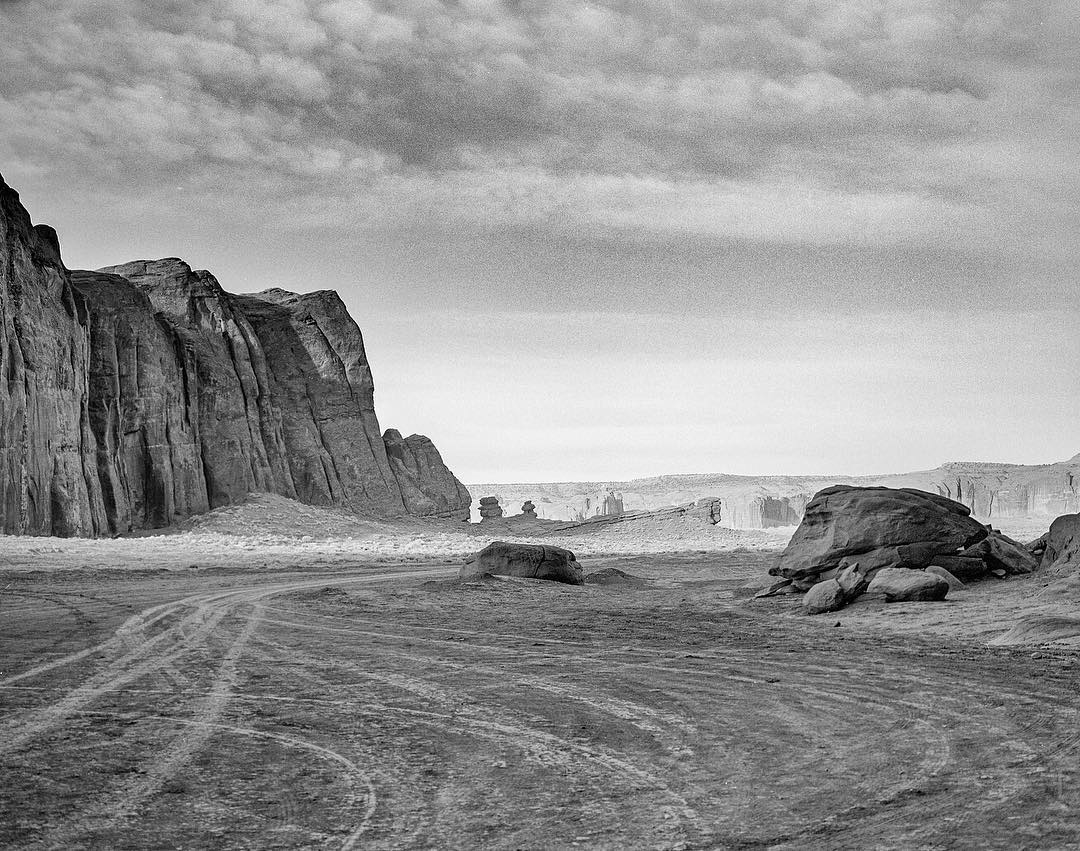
x=143, y=393
x=143, y=399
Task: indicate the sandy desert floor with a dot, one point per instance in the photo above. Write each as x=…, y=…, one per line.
x=277, y=676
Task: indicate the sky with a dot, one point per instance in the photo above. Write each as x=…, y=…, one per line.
x=595, y=241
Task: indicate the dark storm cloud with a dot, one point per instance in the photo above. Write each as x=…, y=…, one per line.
x=619, y=113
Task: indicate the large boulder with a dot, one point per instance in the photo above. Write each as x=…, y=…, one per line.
x=843, y=585
x=965, y=568
x=529, y=561
x=827, y=596
x=1063, y=542
x=879, y=527
x=899, y=585
x=1001, y=553
x=954, y=583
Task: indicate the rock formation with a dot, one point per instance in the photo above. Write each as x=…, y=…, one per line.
x=897, y=585
x=490, y=508
x=48, y=480
x=427, y=485
x=1062, y=542
x=906, y=544
x=529, y=561
x=144, y=393
x=528, y=509
x=878, y=527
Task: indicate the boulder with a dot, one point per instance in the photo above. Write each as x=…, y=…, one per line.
x=900, y=585
x=1038, y=546
x=528, y=509
x=1001, y=553
x=962, y=567
x=529, y=561
x=827, y=596
x=853, y=580
x=880, y=527
x=1063, y=542
x=954, y=583
x=781, y=586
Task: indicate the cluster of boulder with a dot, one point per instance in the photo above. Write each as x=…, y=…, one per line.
x=528, y=561
x=490, y=508
x=901, y=544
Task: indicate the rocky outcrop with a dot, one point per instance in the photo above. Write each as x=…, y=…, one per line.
x=427, y=485
x=528, y=510
x=144, y=393
x=1062, y=548
x=878, y=527
x=528, y=561
x=490, y=508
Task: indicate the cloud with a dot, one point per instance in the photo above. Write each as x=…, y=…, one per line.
x=756, y=120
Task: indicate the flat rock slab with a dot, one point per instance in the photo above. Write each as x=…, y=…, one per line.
x=899, y=585
x=614, y=577
x=1039, y=629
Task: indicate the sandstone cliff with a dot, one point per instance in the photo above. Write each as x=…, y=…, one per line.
x=47, y=460
x=144, y=393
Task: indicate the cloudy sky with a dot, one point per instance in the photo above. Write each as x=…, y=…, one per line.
x=603, y=240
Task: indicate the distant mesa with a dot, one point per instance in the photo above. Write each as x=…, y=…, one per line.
x=992, y=492
x=145, y=393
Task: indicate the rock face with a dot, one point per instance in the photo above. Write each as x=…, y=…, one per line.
x=427, y=485
x=142, y=380
x=529, y=561
x=878, y=527
x=144, y=393
x=48, y=481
